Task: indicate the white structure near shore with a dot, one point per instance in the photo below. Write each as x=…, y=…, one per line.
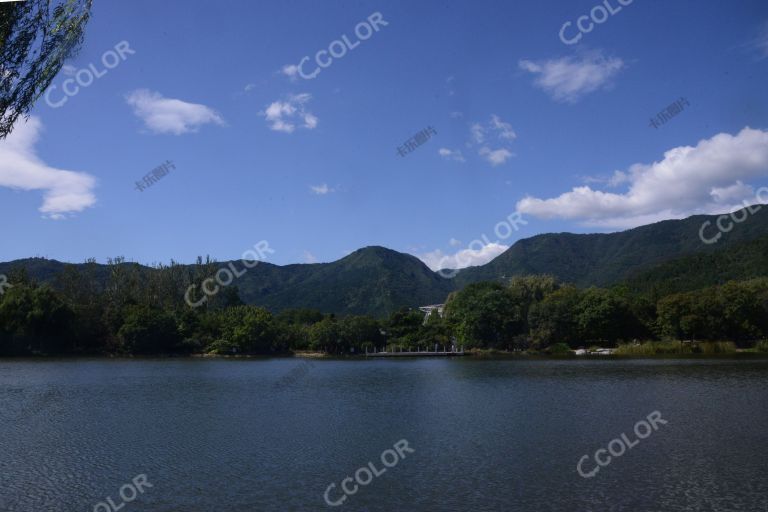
x=597, y=352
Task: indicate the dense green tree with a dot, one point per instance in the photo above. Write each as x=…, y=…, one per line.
x=680, y=317
x=735, y=311
x=293, y=326
x=434, y=331
x=740, y=311
x=325, y=335
x=148, y=331
x=249, y=329
x=359, y=332
x=602, y=316
x=293, y=336
x=304, y=317
x=527, y=291
x=553, y=319
x=402, y=327
x=484, y=315
x=34, y=319
x=79, y=288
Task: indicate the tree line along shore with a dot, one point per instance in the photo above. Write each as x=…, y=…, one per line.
x=133, y=313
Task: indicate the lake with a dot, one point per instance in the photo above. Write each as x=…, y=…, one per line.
x=482, y=435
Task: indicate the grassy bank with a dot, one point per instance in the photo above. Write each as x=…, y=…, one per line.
x=654, y=348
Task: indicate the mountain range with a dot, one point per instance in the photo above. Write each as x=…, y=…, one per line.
x=666, y=256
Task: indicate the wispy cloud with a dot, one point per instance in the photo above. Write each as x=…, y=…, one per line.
x=568, y=79
x=451, y=154
x=496, y=132
x=286, y=116
x=449, y=85
x=616, y=179
x=477, y=133
x=760, y=43
x=21, y=169
x=309, y=257
x=321, y=190
x=711, y=177
x=168, y=115
x=495, y=156
x=504, y=130
x=291, y=71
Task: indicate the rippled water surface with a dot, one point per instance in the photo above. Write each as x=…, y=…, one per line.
x=263, y=435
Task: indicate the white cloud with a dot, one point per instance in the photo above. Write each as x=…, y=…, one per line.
x=249, y=87
x=310, y=121
x=291, y=71
x=454, y=242
x=451, y=154
x=449, y=85
x=616, y=179
x=708, y=178
x=168, y=115
x=482, y=135
x=495, y=156
x=437, y=260
x=456, y=115
x=477, y=133
x=283, y=116
x=321, y=190
x=68, y=69
x=309, y=257
x=504, y=130
x=736, y=192
x=567, y=79
x=21, y=169
x=760, y=43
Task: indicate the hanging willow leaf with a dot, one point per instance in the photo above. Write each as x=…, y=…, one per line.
x=36, y=38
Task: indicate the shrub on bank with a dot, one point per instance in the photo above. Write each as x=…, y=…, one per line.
x=559, y=349
x=655, y=348
x=222, y=347
x=717, y=347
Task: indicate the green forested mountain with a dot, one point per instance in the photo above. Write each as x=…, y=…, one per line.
x=373, y=281
x=667, y=256
x=737, y=262
x=605, y=259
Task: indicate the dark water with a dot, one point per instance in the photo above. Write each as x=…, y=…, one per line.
x=213, y=435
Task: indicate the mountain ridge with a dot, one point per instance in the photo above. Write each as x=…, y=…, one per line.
x=377, y=280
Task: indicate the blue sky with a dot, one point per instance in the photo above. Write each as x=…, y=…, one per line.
x=524, y=122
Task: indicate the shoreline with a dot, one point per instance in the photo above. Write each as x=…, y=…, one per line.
x=472, y=355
